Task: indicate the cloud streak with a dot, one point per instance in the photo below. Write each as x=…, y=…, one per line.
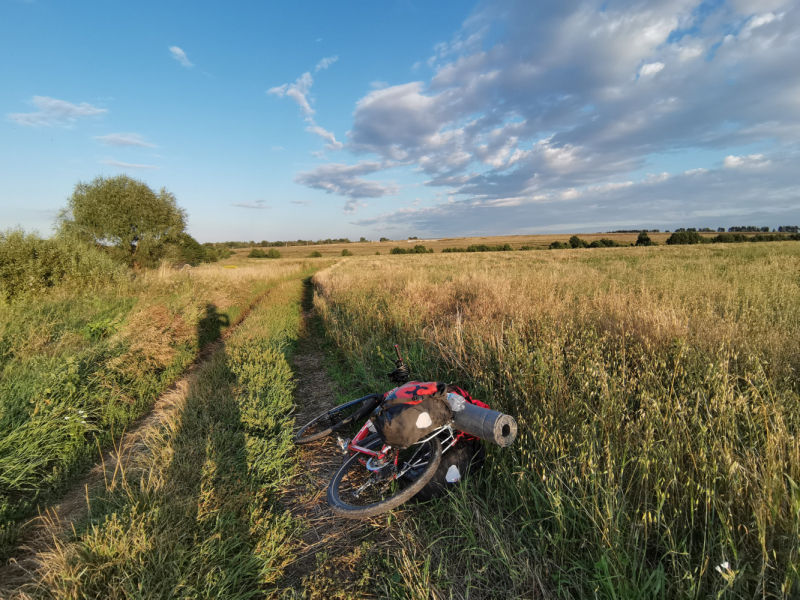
x=124, y=165
x=124, y=139
x=256, y=204
x=53, y=112
x=180, y=56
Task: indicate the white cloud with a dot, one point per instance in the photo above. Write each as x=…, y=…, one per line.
x=698, y=171
x=325, y=135
x=346, y=180
x=256, y=204
x=656, y=177
x=124, y=165
x=549, y=113
x=651, y=69
x=302, y=202
x=180, y=56
x=297, y=91
x=123, y=139
x=326, y=62
x=738, y=162
x=55, y=112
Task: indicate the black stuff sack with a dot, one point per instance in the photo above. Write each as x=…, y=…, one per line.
x=411, y=412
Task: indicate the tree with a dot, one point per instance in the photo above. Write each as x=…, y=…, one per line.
x=124, y=213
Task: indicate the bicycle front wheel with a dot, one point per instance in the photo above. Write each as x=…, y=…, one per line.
x=359, y=490
x=336, y=418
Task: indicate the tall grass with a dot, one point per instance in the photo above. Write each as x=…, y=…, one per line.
x=195, y=513
x=656, y=392
x=77, y=367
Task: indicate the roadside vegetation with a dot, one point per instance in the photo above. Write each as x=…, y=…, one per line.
x=77, y=367
x=195, y=514
x=658, y=402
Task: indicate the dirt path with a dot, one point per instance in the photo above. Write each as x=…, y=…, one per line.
x=334, y=555
x=37, y=535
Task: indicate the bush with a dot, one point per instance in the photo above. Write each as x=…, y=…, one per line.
x=685, y=237
x=377, y=253
x=315, y=254
x=604, y=243
x=418, y=249
x=185, y=249
x=481, y=248
x=273, y=253
x=526, y=247
x=644, y=240
x=257, y=253
x=576, y=242
x=346, y=252
x=559, y=246
x=29, y=263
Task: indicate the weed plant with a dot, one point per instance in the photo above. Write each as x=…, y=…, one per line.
x=657, y=398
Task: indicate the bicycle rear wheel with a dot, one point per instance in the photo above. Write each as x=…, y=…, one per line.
x=359, y=491
x=336, y=418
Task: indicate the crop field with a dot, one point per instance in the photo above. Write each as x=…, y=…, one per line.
x=534, y=242
x=78, y=366
x=656, y=391
x=657, y=395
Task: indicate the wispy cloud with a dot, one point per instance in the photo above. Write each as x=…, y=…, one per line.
x=123, y=165
x=257, y=204
x=325, y=135
x=124, y=139
x=180, y=56
x=302, y=202
x=347, y=180
x=326, y=62
x=55, y=112
x=297, y=91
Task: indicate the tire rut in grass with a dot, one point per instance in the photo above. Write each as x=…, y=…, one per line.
x=336, y=558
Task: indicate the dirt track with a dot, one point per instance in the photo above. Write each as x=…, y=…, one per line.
x=19, y=575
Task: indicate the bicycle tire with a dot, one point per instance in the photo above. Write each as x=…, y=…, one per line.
x=368, y=404
x=349, y=511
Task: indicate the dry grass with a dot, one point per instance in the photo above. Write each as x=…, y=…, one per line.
x=537, y=242
x=657, y=395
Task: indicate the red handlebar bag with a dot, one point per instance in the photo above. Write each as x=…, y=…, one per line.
x=411, y=412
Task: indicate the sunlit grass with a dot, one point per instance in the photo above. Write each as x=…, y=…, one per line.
x=77, y=367
x=656, y=391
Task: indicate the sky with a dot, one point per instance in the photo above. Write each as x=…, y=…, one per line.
x=392, y=118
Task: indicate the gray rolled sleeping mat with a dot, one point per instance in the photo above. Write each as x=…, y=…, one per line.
x=486, y=424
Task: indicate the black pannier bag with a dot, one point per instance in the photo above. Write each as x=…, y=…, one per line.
x=411, y=412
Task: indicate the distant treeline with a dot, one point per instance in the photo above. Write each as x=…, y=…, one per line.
x=693, y=237
x=418, y=249
x=576, y=242
x=636, y=231
x=481, y=248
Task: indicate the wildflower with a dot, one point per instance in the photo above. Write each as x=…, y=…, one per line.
x=84, y=422
x=724, y=567
x=66, y=418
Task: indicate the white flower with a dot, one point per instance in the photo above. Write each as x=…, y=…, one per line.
x=84, y=422
x=723, y=567
x=66, y=418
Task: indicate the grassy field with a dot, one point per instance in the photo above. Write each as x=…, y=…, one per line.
x=195, y=514
x=538, y=242
x=77, y=367
x=656, y=391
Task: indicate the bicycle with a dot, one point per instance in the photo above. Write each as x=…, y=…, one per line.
x=374, y=476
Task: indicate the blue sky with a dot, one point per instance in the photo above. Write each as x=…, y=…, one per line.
x=395, y=118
